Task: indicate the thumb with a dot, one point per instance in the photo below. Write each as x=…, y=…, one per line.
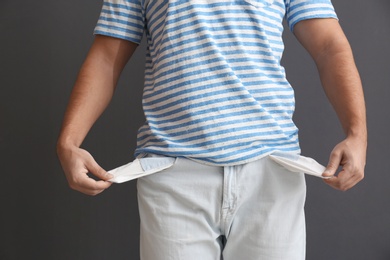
x=98, y=171
x=333, y=164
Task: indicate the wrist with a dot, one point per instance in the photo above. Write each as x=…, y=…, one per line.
x=360, y=134
x=357, y=140
x=64, y=144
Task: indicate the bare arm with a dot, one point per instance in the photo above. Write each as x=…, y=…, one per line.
x=91, y=94
x=328, y=46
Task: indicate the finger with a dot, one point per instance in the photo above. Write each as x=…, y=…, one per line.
x=333, y=182
x=333, y=164
x=91, y=184
x=350, y=175
x=98, y=171
x=88, y=185
x=90, y=192
x=99, y=188
x=344, y=181
x=349, y=181
x=338, y=181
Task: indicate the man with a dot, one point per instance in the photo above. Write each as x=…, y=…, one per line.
x=216, y=98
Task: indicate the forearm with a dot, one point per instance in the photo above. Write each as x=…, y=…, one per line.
x=94, y=87
x=342, y=84
x=327, y=44
x=91, y=94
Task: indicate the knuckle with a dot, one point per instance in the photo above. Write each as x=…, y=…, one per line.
x=332, y=167
x=97, y=171
x=356, y=170
x=335, y=153
x=73, y=185
x=101, y=173
x=339, y=186
x=88, y=193
x=94, y=193
x=359, y=174
x=342, y=187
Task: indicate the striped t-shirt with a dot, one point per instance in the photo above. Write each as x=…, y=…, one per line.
x=214, y=89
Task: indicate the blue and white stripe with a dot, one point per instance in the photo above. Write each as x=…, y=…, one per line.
x=214, y=88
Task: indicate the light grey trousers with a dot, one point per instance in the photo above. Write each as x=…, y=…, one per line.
x=193, y=211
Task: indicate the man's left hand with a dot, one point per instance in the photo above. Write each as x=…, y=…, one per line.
x=350, y=154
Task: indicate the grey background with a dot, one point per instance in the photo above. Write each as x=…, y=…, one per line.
x=42, y=46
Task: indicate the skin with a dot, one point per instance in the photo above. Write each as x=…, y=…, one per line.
x=329, y=48
x=95, y=85
x=94, y=88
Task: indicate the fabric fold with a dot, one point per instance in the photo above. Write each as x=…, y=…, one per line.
x=140, y=167
x=299, y=163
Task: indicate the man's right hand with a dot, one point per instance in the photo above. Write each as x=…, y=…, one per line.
x=91, y=94
x=77, y=163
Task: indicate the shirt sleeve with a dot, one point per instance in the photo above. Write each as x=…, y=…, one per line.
x=299, y=10
x=122, y=19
